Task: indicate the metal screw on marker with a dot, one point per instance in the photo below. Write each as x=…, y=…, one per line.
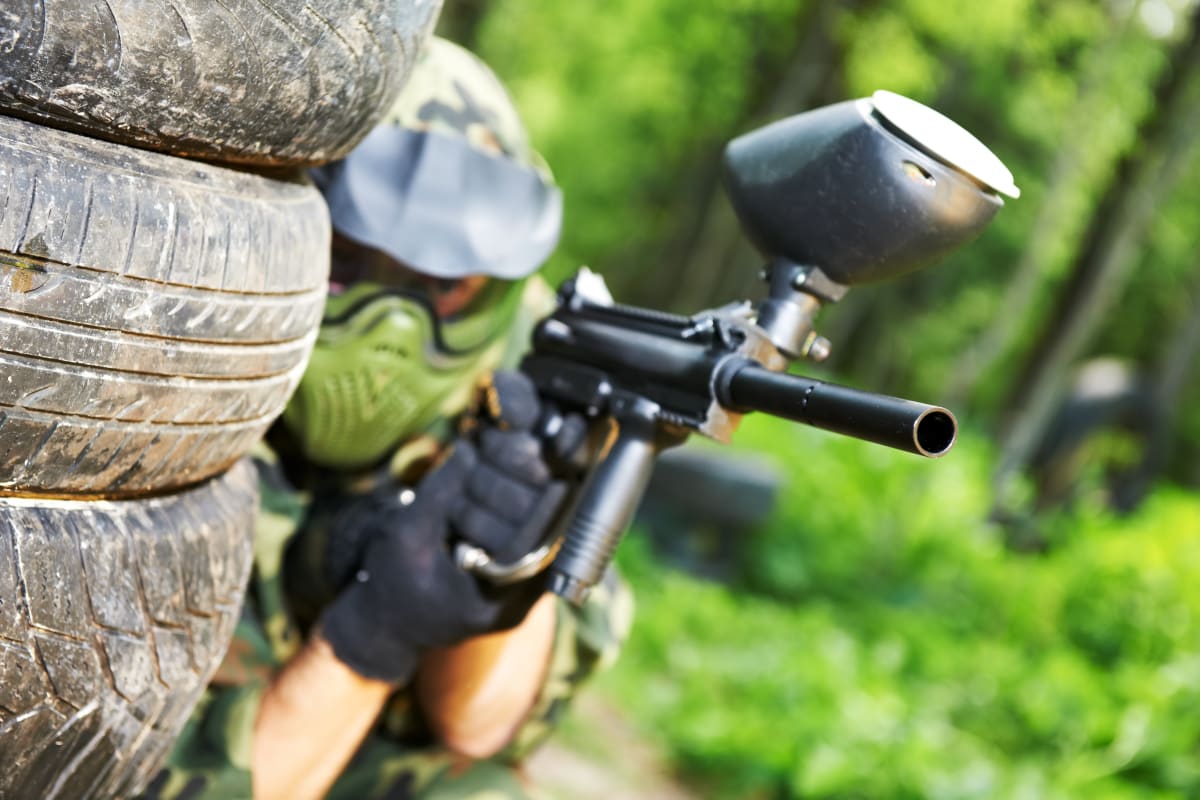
x=819, y=349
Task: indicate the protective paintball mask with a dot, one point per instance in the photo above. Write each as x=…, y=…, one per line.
x=433, y=240
x=397, y=352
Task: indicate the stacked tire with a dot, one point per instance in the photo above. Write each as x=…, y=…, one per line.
x=156, y=312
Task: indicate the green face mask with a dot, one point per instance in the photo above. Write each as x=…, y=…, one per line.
x=378, y=376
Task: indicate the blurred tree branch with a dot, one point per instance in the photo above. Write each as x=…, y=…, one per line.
x=460, y=21
x=720, y=263
x=1107, y=256
x=1021, y=290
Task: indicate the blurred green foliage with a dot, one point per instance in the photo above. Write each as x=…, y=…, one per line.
x=617, y=95
x=631, y=100
x=883, y=643
x=880, y=640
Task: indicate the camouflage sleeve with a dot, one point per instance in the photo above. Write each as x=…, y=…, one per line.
x=586, y=641
x=212, y=756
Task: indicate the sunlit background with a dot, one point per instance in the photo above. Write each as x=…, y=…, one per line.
x=826, y=618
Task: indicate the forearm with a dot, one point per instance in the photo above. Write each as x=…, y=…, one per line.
x=475, y=695
x=313, y=717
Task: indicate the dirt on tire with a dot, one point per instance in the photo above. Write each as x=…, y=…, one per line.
x=155, y=313
x=265, y=82
x=113, y=617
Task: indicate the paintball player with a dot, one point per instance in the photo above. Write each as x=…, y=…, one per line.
x=366, y=662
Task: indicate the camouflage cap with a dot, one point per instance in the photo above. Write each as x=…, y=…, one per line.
x=453, y=92
x=447, y=184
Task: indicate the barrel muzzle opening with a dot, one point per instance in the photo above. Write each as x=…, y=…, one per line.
x=934, y=432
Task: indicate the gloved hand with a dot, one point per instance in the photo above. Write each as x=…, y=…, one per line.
x=528, y=458
x=496, y=490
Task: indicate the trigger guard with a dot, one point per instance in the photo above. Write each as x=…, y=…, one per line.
x=479, y=562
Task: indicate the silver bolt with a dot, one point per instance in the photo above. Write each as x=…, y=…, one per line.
x=819, y=349
x=800, y=279
x=406, y=497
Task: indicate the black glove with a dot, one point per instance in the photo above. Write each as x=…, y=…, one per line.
x=529, y=457
x=496, y=491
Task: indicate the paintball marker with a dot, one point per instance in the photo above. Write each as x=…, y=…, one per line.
x=850, y=193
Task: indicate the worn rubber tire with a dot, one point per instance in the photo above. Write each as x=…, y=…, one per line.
x=266, y=82
x=155, y=313
x=113, y=617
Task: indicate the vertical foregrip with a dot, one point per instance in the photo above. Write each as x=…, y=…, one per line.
x=605, y=509
x=586, y=552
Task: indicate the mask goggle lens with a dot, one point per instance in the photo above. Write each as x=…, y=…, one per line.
x=466, y=310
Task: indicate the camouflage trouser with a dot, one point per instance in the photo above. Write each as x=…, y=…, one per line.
x=212, y=757
x=380, y=769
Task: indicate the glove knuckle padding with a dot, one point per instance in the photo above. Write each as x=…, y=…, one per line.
x=509, y=540
x=516, y=453
x=542, y=516
x=516, y=402
x=571, y=436
x=507, y=497
x=483, y=528
x=448, y=479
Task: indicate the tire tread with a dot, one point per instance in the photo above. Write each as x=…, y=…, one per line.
x=146, y=594
x=155, y=314
x=266, y=83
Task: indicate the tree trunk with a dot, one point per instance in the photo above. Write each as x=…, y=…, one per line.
x=981, y=357
x=710, y=244
x=460, y=21
x=1174, y=372
x=1108, y=253
x=1177, y=367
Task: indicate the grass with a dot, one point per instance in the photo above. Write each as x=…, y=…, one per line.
x=880, y=641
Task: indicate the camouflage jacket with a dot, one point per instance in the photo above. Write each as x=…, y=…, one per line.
x=398, y=759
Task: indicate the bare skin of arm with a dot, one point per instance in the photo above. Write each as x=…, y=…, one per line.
x=310, y=722
x=317, y=711
x=476, y=695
